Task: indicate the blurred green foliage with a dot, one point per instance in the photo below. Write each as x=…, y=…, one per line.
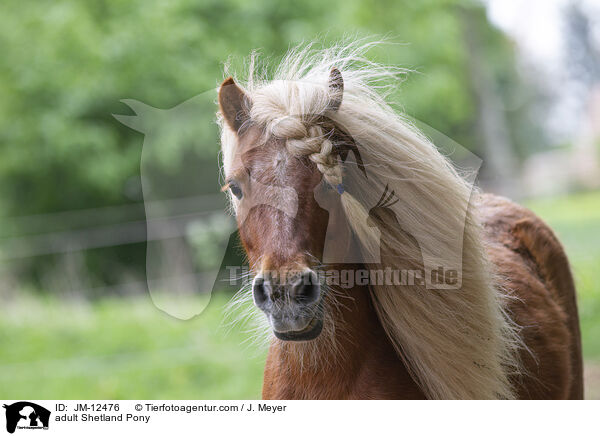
x=66, y=64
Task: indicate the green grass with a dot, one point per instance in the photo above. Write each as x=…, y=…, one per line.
x=126, y=348
x=123, y=349
x=576, y=221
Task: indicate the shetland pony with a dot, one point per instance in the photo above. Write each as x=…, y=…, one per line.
x=324, y=176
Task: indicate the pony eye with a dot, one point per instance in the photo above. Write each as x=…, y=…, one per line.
x=235, y=190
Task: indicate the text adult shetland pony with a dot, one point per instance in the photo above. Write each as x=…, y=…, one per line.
x=319, y=129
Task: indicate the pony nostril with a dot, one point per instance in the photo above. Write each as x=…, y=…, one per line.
x=307, y=290
x=260, y=292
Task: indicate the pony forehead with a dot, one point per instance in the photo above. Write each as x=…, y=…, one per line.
x=260, y=158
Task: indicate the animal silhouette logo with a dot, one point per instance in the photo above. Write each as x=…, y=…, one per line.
x=26, y=415
x=189, y=228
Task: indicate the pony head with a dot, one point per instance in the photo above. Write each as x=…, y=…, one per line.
x=285, y=165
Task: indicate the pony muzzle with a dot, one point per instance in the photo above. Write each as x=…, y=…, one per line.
x=292, y=303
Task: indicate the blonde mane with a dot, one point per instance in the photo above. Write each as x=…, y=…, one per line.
x=456, y=343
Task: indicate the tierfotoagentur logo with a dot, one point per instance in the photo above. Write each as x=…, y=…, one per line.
x=348, y=278
x=25, y=415
x=191, y=229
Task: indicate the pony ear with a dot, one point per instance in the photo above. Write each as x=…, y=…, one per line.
x=336, y=89
x=233, y=104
